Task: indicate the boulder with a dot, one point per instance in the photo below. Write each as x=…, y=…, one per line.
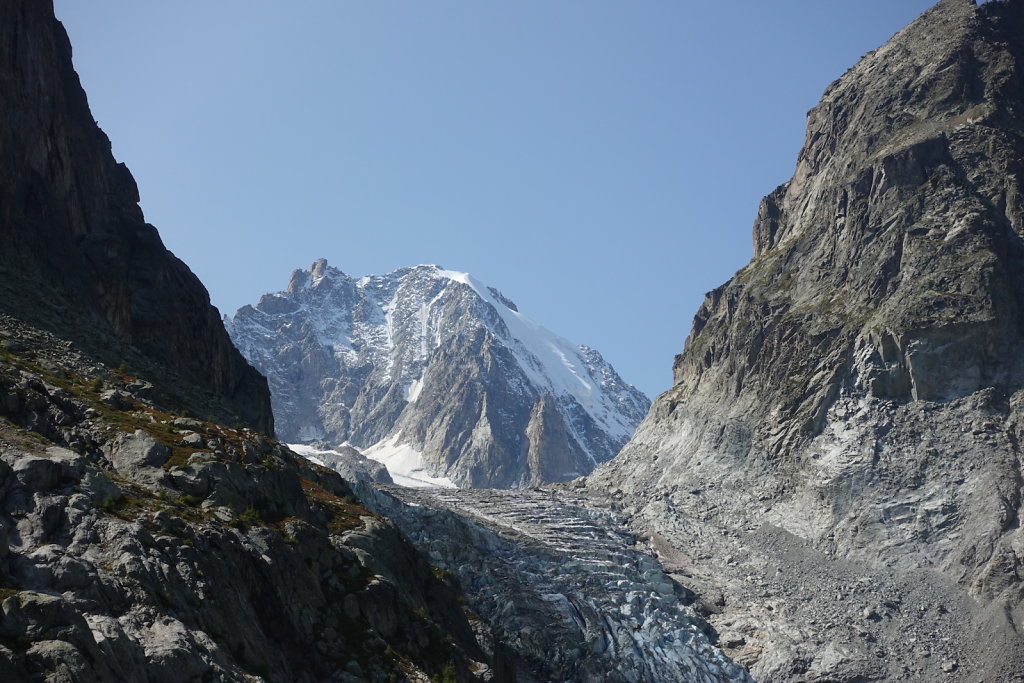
x=138, y=456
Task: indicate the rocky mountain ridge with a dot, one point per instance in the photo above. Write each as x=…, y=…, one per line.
x=855, y=392
x=438, y=364
x=833, y=487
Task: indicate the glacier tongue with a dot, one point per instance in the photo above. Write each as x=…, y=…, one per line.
x=487, y=396
x=572, y=593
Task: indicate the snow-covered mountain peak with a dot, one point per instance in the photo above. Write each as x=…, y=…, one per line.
x=358, y=359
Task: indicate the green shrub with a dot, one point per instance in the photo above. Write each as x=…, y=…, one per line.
x=250, y=517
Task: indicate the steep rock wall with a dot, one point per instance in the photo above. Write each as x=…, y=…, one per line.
x=859, y=384
x=78, y=257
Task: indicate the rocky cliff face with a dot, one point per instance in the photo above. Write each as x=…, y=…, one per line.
x=856, y=391
x=436, y=366
x=78, y=257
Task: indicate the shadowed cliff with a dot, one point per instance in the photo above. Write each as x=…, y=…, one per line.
x=78, y=258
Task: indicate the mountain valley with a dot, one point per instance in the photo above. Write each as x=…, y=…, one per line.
x=831, y=491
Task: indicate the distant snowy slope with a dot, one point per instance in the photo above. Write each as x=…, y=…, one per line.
x=435, y=361
x=557, y=365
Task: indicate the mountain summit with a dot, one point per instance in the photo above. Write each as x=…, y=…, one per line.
x=431, y=366
x=853, y=399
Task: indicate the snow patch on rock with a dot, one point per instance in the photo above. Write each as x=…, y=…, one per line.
x=405, y=464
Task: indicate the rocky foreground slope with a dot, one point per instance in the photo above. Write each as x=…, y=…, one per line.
x=138, y=545
x=433, y=364
x=840, y=455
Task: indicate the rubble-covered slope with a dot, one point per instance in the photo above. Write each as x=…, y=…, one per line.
x=859, y=386
x=77, y=256
x=436, y=364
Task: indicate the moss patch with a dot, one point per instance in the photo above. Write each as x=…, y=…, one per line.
x=344, y=514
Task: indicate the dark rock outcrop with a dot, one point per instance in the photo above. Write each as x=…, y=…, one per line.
x=849, y=405
x=78, y=257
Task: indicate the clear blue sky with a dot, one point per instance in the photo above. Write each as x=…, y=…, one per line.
x=598, y=161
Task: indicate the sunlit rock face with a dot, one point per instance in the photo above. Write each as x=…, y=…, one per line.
x=859, y=384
